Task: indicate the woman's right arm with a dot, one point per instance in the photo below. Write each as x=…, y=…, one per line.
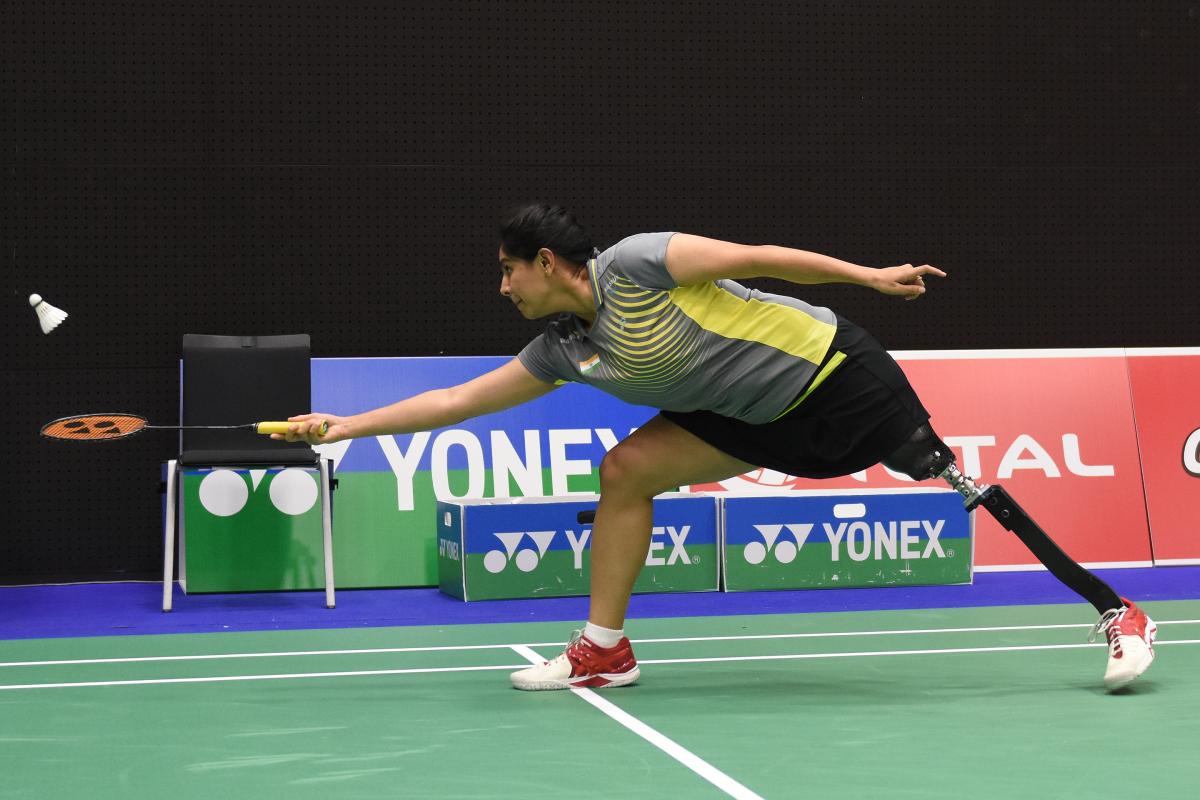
x=504, y=387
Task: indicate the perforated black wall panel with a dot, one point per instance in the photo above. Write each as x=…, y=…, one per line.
x=338, y=168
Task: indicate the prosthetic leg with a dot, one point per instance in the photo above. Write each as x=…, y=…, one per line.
x=1130, y=632
x=925, y=456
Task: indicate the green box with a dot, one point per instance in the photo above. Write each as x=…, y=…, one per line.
x=250, y=530
x=536, y=547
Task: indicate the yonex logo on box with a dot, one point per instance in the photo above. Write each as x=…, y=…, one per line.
x=786, y=551
x=223, y=492
x=886, y=540
x=448, y=548
x=527, y=555
x=858, y=540
x=526, y=559
x=678, y=537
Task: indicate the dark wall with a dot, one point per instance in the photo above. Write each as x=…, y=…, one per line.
x=338, y=168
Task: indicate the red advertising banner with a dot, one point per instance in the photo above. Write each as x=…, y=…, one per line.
x=1056, y=428
x=1166, y=390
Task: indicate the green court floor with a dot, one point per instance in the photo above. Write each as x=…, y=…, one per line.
x=954, y=703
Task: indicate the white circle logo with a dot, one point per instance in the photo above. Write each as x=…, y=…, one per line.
x=293, y=491
x=526, y=560
x=785, y=552
x=223, y=492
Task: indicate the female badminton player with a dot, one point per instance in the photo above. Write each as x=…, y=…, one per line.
x=743, y=379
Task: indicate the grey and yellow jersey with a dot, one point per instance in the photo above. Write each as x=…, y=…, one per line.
x=714, y=346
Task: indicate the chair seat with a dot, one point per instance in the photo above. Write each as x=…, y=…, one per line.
x=272, y=456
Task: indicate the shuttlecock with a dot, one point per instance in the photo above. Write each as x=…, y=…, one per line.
x=49, y=317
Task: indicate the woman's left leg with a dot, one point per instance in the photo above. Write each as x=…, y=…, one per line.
x=657, y=457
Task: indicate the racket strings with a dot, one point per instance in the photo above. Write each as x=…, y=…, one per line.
x=94, y=426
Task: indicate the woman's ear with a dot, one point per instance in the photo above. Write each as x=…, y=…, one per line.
x=546, y=260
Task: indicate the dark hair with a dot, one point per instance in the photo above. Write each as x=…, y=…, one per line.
x=529, y=228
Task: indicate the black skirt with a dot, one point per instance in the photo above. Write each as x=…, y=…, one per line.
x=858, y=416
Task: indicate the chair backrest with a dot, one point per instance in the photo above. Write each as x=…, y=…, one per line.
x=230, y=380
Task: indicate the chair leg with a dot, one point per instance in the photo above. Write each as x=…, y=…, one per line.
x=327, y=524
x=169, y=533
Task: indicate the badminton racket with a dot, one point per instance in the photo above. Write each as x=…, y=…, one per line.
x=99, y=427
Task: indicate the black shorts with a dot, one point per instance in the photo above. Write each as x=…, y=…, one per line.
x=858, y=416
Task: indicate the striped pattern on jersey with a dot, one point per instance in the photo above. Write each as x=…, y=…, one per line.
x=715, y=346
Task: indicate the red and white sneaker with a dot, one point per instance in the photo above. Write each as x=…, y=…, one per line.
x=1130, y=643
x=583, y=664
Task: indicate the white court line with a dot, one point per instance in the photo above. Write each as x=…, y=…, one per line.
x=220, y=678
x=466, y=647
x=668, y=746
x=870, y=653
x=829, y=634
x=213, y=656
x=353, y=673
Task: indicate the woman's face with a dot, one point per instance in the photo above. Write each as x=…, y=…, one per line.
x=526, y=284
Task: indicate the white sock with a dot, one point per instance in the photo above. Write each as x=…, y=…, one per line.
x=605, y=637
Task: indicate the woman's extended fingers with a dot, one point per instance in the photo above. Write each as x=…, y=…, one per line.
x=928, y=269
x=908, y=280
x=909, y=273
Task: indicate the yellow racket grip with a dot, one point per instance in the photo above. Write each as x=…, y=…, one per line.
x=282, y=427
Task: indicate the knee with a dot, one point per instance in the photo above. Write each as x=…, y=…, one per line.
x=923, y=456
x=624, y=470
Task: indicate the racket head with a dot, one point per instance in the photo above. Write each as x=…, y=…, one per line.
x=94, y=427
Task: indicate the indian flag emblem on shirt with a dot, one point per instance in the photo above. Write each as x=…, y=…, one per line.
x=589, y=364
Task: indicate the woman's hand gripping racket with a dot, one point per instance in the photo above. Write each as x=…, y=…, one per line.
x=101, y=427
x=312, y=428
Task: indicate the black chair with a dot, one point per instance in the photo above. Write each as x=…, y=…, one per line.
x=233, y=380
